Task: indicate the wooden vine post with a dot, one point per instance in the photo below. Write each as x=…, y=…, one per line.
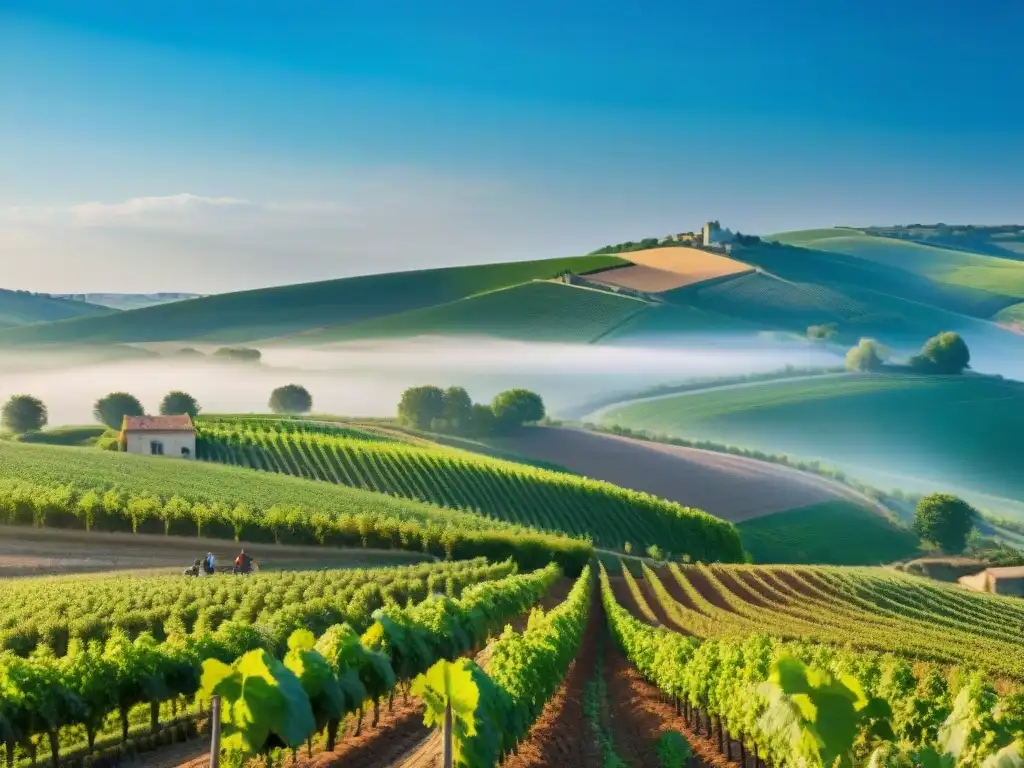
x=215, y=732
x=446, y=736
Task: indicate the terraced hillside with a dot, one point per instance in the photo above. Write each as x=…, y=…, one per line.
x=270, y=312
x=535, y=311
x=500, y=490
x=951, y=431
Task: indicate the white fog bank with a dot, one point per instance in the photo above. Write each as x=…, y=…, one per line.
x=367, y=379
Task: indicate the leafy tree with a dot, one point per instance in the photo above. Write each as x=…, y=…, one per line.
x=24, y=413
x=481, y=420
x=516, y=407
x=112, y=409
x=868, y=355
x=176, y=403
x=291, y=398
x=945, y=520
x=946, y=353
x=419, y=406
x=457, y=409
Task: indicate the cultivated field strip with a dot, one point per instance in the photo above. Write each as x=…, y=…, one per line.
x=726, y=671
x=863, y=608
x=498, y=490
x=47, y=486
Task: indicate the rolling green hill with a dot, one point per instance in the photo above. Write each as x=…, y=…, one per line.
x=832, y=533
x=538, y=311
x=664, y=321
x=987, y=279
x=1005, y=241
x=21, y=308
x=457, y=479
x=957, y=431
x=896, y=290
x=271, y=312
x=129, y=300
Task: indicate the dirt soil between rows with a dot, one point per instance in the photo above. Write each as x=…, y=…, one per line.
x=49, y=551
x=730, y=487
x=562, y=736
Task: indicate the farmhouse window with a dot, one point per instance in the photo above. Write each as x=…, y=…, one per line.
x=156, y=448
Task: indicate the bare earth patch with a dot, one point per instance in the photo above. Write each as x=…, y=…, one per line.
x=730, y=487
x=665, y=269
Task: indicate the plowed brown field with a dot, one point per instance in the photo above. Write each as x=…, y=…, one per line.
x=665, y=269
x=731, y=487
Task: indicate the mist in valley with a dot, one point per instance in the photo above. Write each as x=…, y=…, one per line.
x=367, y=379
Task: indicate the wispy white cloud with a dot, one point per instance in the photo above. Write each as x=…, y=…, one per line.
x=153, y=209
x=386, y=220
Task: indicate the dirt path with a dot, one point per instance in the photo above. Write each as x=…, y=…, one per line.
x=28, y=551
x=731, y=487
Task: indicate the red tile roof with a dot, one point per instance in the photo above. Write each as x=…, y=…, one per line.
x=182, y=423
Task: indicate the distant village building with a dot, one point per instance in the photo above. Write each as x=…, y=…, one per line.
x=173, y=436
x=1000, y=581
x=715, y=235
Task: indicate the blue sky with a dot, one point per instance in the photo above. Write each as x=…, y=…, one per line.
x=213, y=145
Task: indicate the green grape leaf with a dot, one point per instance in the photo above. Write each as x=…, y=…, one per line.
x=261, y=699
x=449, y=683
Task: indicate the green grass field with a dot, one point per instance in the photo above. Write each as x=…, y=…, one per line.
x=833, y=533
x=660, y=321
x=952, y=431
x=763, y=299
x=74, y=436
x=534, y=311
x=271, y=312
x=960, y=268
x=25, y=308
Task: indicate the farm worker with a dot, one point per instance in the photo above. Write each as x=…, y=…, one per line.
x=210, y=563
x=243, y=563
